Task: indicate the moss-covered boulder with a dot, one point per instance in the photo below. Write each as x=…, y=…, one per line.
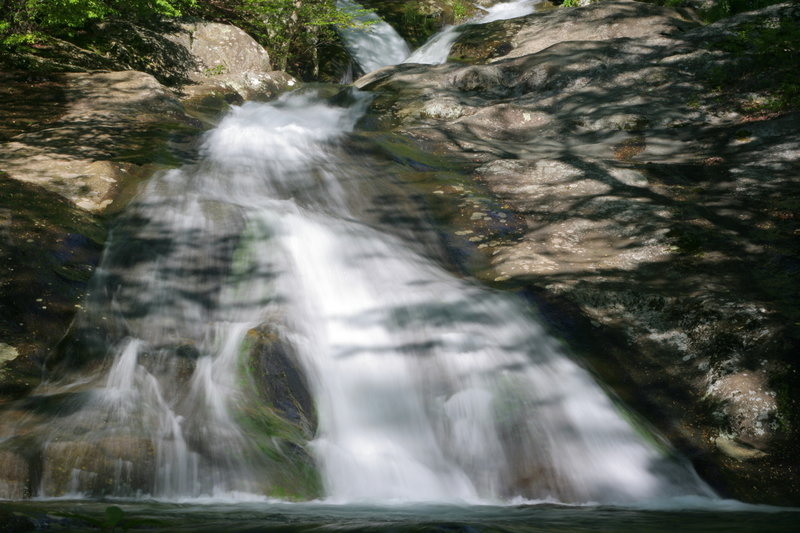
x=279, y=417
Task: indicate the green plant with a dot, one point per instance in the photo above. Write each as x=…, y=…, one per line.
x=571, y=3
x=292, y=30
x=765, y=55
x=24, y=22
x=216, y=70
x=460, y=10
x=726, y=8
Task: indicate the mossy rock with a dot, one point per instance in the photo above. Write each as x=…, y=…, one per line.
x=278, y=416
x=478, y=43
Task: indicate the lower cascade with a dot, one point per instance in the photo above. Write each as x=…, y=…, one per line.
x=262, y=273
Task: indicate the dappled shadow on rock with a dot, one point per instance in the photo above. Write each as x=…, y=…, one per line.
x=664, y=217
x=48, y=252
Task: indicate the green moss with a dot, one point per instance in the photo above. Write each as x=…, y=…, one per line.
x=765, y=57
x=278, y=444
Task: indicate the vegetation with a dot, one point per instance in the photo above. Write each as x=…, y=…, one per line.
x=23, y=20
x=460, y=10
x=767, y=56
x=294, y=31
x=715, y=10
x=726, y=8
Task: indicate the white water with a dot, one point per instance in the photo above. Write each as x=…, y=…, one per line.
x=428, y=387
x=376, y=46
x=437, y=49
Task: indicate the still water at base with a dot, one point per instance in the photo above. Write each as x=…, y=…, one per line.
x=685, y=515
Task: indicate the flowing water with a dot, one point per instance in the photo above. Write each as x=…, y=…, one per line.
x=436, y=50
x=376, y=46
x=433, y=402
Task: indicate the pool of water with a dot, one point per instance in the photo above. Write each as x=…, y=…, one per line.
x=694, y=515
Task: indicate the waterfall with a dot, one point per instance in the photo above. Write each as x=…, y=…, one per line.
x=375, y=46
x=427, y=386
x=437, y=49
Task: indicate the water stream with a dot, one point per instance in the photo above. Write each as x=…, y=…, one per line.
x=375, y=46
x=427, y=387
x=436, y=50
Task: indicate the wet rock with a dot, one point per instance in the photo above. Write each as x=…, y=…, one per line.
x=648, y=214
x=11, y=522
x=279, y=417
x=737, y=450
x=281, y=380
x=48, y=252
x=119, y=465
x=14, y=476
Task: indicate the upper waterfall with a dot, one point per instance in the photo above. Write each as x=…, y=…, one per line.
x=375, y=46
x=436, y=50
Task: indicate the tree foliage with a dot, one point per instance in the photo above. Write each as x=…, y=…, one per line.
x=60, y=14
x=292, y=30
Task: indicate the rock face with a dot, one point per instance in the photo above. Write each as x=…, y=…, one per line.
x=48, y=252
x=596, y=22
x=228, y=61
x=79, y=143
x=99, y=138
x=195, y=59
x=636, y=204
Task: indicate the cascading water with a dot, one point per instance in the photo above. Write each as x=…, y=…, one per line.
x=375, y=46
x=436, y=50
x=427, y=387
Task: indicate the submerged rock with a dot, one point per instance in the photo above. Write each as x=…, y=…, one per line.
x=121, y=465
x=648, y=215
x=15, y=477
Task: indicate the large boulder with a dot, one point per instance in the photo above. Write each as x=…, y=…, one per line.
x=654, y=221
x=103, y=134
x=596, y=22
x=195, y=59
x=227, y=60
